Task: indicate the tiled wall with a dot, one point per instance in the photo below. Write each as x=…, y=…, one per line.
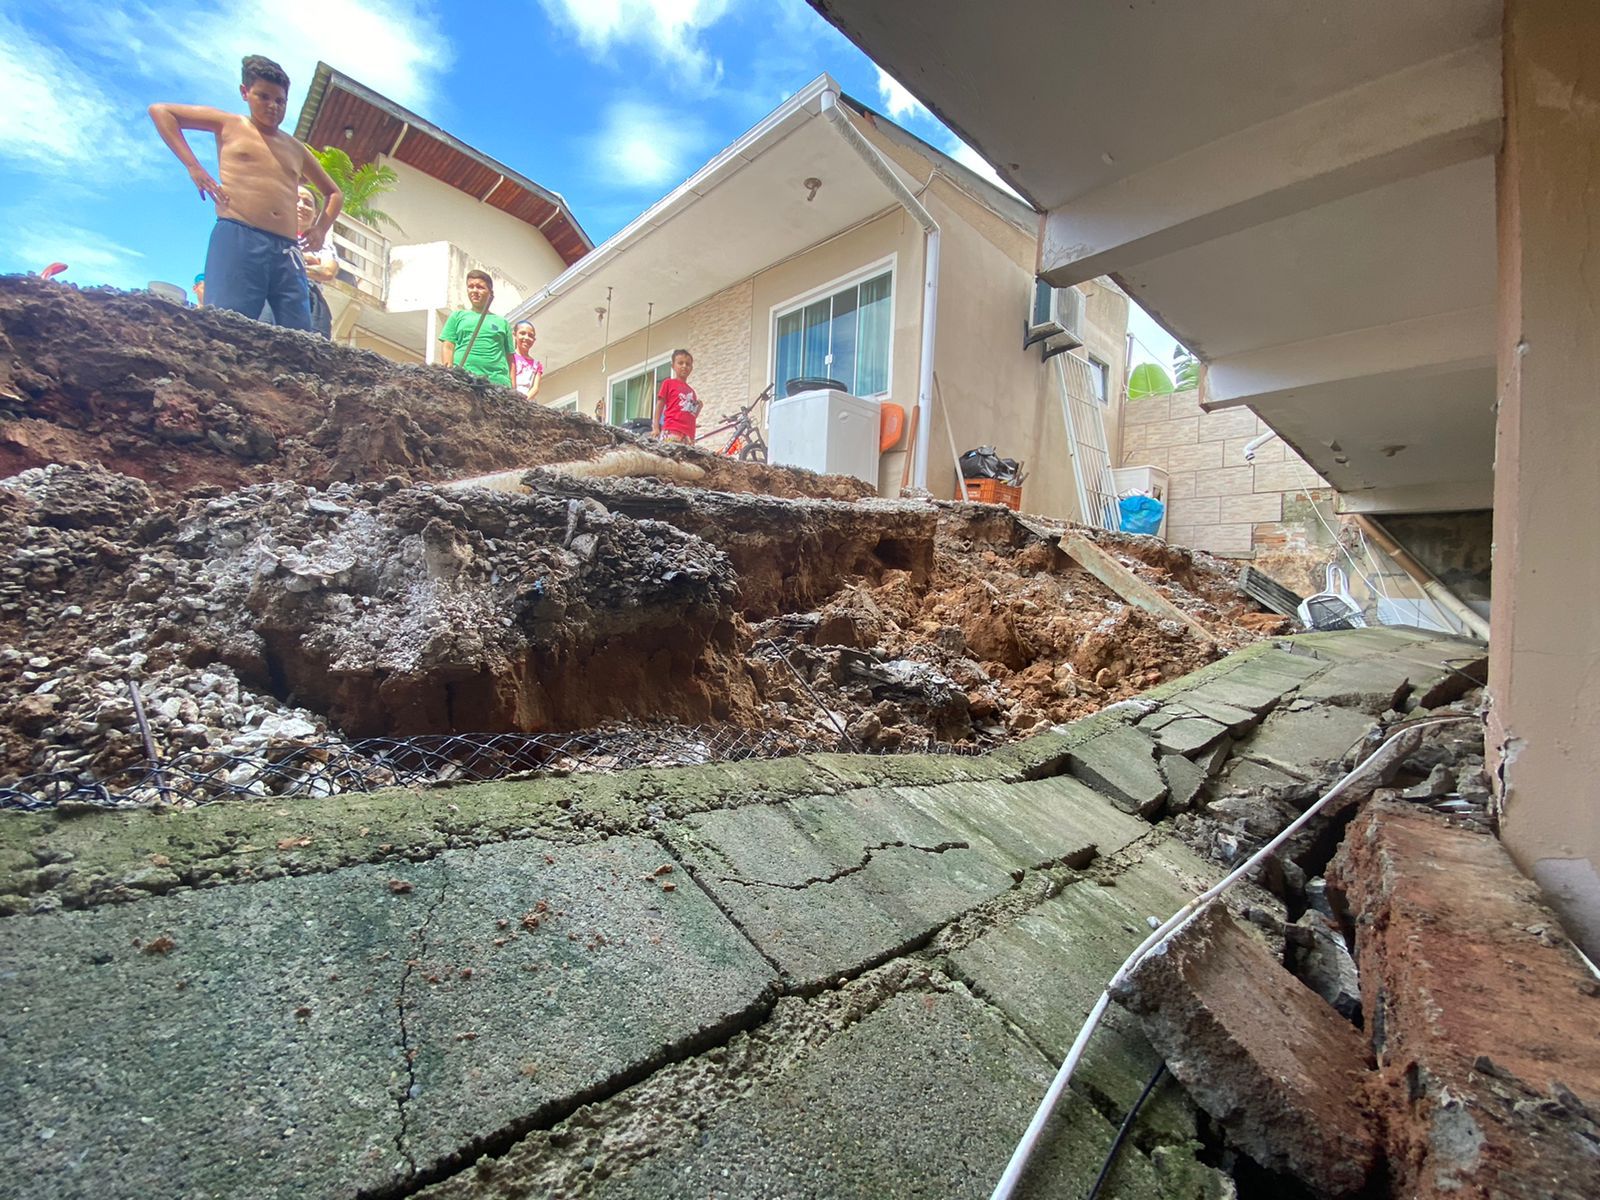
x=1218, y=502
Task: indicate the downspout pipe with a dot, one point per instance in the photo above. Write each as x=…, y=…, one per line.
x=930, y=270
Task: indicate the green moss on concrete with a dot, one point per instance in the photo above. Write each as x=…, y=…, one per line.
x=86, y=857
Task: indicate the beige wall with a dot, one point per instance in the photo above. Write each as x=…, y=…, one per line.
x=1544, y=661
x=996, y=392
x=730, y=333
x=1216, y=500
x=430, y=211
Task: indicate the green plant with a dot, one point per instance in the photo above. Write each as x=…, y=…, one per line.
x=1185, y=370
x=1149, y=379
x=361, y=185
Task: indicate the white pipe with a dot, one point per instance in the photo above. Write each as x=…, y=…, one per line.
x=930, y=272
x=1167, y=930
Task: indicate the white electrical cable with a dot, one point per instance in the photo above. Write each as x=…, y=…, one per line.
x=1164, y=933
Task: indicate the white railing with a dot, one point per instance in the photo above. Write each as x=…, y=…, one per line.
x=364, y=255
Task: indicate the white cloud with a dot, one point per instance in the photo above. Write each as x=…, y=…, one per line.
x=668, y=32
x=90, y=257
x=900, y=104
x=190, y=52
x=57, y=121
x=645, y=145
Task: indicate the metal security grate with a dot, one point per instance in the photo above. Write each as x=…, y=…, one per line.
x=1086, y=439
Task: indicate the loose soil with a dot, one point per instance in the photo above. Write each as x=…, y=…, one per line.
x=244, y=522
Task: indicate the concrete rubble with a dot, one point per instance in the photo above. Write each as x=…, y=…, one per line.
x=827, y=974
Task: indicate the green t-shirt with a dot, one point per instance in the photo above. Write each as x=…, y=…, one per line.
x=489, y=352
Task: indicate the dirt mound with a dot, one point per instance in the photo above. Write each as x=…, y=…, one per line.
x=178, y=397
x=260, y=556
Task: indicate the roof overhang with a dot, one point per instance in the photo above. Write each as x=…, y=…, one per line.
x=1303, y=194
x=342, y=112
x=747, y=209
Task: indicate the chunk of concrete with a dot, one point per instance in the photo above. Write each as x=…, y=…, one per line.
x=1490, y=1035
x=1324, y=962
x=1189, y=735
x=1121, y=765
x=1238, y=720
x=1370, y=685
x=1277, y=1068
x=1184, y=781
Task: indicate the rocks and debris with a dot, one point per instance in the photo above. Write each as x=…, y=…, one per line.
x=278, y=619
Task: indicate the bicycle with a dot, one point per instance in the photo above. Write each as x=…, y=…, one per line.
x=746, y=444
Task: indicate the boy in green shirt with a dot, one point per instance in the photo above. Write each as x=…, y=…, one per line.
x=484, y=339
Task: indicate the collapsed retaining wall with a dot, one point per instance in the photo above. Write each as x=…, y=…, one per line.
x=829, y=975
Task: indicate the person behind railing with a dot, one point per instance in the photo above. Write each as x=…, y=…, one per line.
x=527, y=370
x=322, y=266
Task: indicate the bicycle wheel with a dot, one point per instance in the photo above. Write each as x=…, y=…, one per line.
x=755, y=452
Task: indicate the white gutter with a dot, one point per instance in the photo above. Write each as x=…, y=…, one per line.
x=732, y=159
x=930, y=272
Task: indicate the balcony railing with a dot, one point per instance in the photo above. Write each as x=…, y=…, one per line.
x=364, y=255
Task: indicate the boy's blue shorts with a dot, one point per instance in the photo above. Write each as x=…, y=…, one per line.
x=248, y=268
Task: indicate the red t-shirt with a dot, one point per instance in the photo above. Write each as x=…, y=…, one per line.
x=680, y=406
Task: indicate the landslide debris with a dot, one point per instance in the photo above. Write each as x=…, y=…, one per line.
x=242, y=529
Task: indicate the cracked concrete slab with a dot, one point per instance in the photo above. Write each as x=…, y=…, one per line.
x=1121, y=764
x=826, y=896
x=1029, y=825
x=1371, y=685
x=265, y=1050
x=550, y=972
x=229, y=1042
x=1188, y=735
x=924, y=1097
x=1304, y=743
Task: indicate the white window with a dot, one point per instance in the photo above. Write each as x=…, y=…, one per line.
x=1100, y=373
x=633, y=393
x=846, y=333
x=567, y=403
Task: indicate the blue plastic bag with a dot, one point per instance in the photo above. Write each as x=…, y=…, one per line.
x=1140, y=514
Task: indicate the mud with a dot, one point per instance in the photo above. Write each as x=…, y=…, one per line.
x=244, y=524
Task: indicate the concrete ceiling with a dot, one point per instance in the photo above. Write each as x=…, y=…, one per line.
x=744, y=211
x=1301, y=193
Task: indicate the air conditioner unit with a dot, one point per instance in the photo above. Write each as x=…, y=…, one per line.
x=1055, y=319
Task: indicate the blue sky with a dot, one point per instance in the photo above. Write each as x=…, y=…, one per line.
x=610, y=102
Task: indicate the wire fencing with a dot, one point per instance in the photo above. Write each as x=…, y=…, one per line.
x=305, y=769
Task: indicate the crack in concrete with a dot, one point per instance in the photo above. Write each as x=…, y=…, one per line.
x=604, y=1133
x=844, y=872
x=407, y=1051
x=688, y=869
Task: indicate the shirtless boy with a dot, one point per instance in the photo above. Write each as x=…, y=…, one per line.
x=254, y=256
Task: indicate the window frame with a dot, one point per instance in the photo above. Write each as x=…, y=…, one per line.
x=639, y=368
x=1102, y=372
x=853, y=278
x=567, y=403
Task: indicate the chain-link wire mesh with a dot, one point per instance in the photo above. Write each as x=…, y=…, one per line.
x=327, y=768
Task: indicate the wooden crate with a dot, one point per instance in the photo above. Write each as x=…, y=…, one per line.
x=992, y=491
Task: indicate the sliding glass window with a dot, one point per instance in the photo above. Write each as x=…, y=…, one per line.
x=846, y=336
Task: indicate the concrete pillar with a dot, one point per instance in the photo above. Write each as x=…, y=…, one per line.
x=1544, y=676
